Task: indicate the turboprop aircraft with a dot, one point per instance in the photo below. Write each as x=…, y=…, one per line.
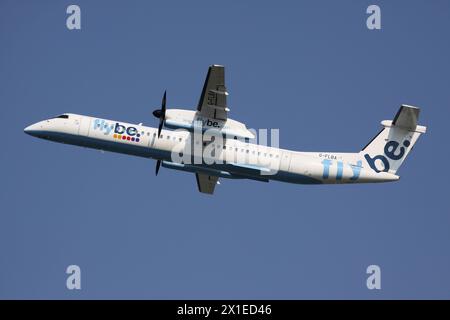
x=207, y=143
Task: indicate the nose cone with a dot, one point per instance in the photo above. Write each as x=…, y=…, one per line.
x=32, y=130
x=157, y=113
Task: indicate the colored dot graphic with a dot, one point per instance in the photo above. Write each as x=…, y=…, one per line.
x=127, y=138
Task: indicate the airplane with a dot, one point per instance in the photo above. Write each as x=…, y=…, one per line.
x=232, y=152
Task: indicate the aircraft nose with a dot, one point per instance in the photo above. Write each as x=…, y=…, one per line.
x=31, y=129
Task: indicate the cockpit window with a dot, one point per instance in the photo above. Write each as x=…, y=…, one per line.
x=63, y=116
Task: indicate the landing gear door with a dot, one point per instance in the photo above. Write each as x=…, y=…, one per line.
x=85, y=124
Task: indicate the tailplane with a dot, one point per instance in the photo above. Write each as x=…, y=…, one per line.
x=387, y=151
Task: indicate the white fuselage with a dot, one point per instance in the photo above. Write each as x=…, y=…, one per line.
x=232, y=158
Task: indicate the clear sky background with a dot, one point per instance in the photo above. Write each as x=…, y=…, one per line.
x=310, y=68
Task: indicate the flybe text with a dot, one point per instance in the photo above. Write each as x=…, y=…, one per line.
x=117, y=128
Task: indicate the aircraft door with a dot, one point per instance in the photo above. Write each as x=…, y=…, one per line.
x=85, y=123
x=285, y=161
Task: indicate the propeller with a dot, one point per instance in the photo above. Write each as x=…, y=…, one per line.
x=161, y=114
x=158, y=165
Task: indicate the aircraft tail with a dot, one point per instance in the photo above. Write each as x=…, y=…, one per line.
x=387, y=150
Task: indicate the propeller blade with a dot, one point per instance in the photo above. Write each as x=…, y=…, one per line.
x=162, y=114
x=158, y=165
x=163, y=104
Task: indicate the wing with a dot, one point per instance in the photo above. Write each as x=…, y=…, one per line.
x=206, y=183
x=213, y=101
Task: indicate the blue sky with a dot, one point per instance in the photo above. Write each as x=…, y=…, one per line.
x=310, y=68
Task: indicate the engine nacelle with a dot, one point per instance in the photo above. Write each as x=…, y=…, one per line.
x=184, y=119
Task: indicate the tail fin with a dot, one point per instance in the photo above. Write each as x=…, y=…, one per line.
x=387, y=151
